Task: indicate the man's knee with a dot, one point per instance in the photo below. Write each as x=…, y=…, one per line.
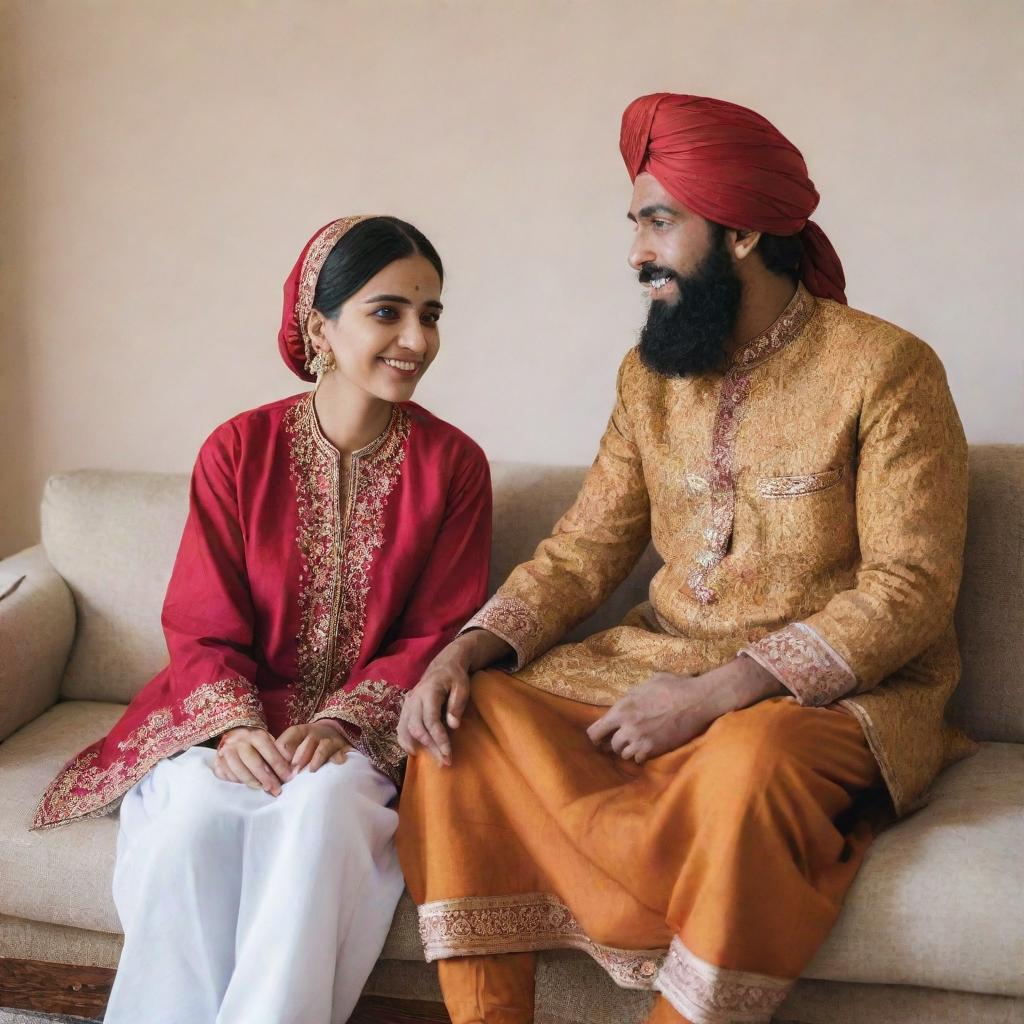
x=753, y=748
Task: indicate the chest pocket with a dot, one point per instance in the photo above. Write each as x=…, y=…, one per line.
x=808, y=518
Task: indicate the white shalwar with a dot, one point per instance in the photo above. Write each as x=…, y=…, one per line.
x=243, y=908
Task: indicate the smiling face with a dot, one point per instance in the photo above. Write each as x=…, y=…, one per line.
x=670, y=241
x=385, y=336
x=686, y=265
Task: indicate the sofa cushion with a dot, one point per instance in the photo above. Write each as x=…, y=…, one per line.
x=989, y=703
x=937, y=904
x=61, y=875
x=57, y=943
x=113, y=537
x=939, y=901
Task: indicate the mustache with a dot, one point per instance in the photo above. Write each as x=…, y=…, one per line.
x=652, y=271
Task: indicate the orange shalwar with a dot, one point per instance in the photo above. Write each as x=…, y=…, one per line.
x=733, y=851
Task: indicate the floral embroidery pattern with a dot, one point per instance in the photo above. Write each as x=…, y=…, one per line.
x=722, y=504
x=789, y=324
x=791, y=486
x=811, y=669
x=512, y=924
x=82, y=789
x=721, y=485
x=514, y=621
x=340, y=529
x=316, y=255
x=706, y=994
x=368, y=715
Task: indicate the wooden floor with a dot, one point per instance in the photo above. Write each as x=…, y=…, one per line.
x=83, y=992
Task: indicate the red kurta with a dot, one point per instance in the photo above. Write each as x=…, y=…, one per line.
x=306, y=586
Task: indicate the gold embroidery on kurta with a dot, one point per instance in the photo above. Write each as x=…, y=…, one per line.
x=721, y=508
x=83, y=790
x=373, y=707
x=870, y=563
x=340, y=528
x=514, y=621
x=804, y=663
x=793, y=486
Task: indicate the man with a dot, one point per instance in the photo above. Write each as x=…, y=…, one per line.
x=697, y=778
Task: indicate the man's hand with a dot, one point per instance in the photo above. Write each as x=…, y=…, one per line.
x=251, y=757
x=312, y=745
x=669, y=710
x=445, y=686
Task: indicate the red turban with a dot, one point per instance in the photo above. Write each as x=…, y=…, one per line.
x=299, y=290
x=734, y=167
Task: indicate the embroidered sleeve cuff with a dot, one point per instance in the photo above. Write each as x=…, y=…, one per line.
x=811, y=669
x=514, y=621
x=368, y=716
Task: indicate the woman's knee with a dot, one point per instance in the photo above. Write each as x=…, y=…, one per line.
x=184, y=807
x=350, y=790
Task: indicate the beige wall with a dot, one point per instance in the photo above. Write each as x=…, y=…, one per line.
x=164, y=162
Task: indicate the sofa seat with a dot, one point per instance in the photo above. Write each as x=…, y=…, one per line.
x=938, y=904
x=58, y=876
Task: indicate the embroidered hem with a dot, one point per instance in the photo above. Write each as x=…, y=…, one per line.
x=85, y=790
x=514, y=621
x=368, y=716
x=889, y=775
x=475, y=926
x=809, y=667
x=706, y=994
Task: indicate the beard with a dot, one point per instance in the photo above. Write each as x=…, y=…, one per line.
x=688, y=336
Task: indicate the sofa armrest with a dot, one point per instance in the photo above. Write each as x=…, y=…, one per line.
x=37, y=627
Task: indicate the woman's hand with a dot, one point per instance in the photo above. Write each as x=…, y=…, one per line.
x=312, y=744
x=251, y=757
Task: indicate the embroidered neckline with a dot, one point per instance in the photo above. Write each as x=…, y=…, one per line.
x=791, y=321
x=368, y=450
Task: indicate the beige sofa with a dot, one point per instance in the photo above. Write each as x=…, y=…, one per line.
x=933, y=930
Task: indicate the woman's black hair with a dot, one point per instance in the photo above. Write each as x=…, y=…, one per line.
x=362, y=252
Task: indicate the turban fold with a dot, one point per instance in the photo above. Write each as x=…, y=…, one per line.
x=299, y=290
x=734, y=167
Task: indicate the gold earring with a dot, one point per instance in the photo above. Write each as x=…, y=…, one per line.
x=321, y=363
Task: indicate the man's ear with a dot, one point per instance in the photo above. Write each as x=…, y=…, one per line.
x=745, y=242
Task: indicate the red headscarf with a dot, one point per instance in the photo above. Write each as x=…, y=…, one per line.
x=299, y=290
x=734, y=167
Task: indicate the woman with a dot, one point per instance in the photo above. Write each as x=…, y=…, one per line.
x=335, y=542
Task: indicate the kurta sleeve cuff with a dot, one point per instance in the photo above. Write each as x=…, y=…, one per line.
x=810, y=668
x=514, y=621
x=368, y=718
